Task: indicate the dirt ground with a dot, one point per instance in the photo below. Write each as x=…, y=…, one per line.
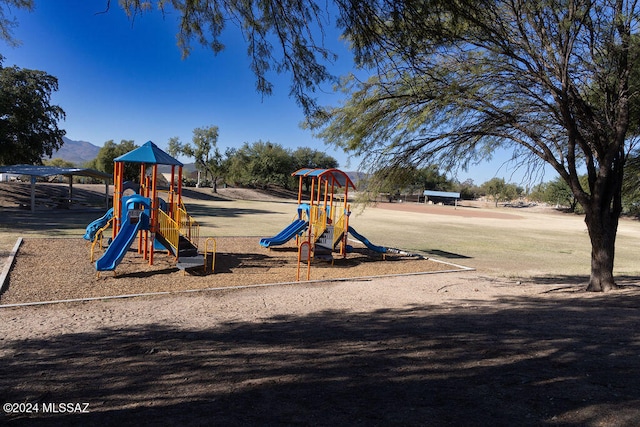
x=442, y=349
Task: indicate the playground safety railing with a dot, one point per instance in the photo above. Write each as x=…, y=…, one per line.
x=318, y=220
x=169, y=229
x=189, y=227
x=339, y=228
x=184, y=223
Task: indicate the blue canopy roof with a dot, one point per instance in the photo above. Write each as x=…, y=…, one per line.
x=149, y=154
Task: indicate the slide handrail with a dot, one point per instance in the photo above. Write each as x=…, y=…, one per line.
x=97, y=238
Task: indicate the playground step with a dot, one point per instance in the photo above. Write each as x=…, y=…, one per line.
x=322, y=254
x=186, y=248
x=187, y=252
x=185, y=263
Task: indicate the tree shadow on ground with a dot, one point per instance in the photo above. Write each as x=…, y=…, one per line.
x=519, y=361
x=203, y=196
x=624, y=281
x=202, y=211
x=57, y=222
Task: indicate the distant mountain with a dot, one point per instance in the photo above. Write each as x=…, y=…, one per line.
x=76, y=152
x=356, y=176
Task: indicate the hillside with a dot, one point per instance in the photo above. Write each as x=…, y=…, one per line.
x=76, y=152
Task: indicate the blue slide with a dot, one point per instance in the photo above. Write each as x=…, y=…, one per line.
x=292, y=230
x=96, y=225
x=119, y=246
x=366, y=242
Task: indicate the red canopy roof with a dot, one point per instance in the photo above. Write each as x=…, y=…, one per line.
x=335, y=175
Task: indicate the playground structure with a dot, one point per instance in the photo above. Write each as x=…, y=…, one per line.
x=324, y=219
x=155, y=222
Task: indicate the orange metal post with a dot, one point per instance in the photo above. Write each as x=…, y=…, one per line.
x=115, y=199
x=300, y=189
x=304, y=252
x=154, y=211
x=117, y=196
x=311, y=219
x=346, y=209
x=179, y=185
x=326, y=192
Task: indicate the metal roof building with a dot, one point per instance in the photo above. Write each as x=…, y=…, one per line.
x=35, y=171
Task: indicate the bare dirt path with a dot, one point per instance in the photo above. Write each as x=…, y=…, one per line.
x=448, y=349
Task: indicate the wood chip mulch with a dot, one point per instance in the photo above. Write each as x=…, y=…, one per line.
x=60, y=269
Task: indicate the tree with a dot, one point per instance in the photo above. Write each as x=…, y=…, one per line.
x=204, y=150
x=28, y=121
x=305, y=157
x=6, y=24
x=468, y=190
x=261, y=164
x=550, y=80
x=557, y=192
x=109, y=151
x=431, y=178
x=59, y=163
x=500, y=191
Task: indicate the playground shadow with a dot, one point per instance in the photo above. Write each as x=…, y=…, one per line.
x=228, y=262
x=445, y=254
x=517, y=361
x=56, y=222
x=147, y=273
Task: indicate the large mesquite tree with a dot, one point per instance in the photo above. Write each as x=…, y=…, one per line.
x=456, y=79
x=551, y=79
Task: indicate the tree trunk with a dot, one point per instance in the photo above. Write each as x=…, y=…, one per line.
x=602, y=227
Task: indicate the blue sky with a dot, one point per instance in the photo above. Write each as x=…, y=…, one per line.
x=122, y=79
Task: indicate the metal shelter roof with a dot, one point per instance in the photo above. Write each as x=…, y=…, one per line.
x=34, y=170
x=150, y=154
x=447, y=194
x=42, y=171
x=341, y=178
